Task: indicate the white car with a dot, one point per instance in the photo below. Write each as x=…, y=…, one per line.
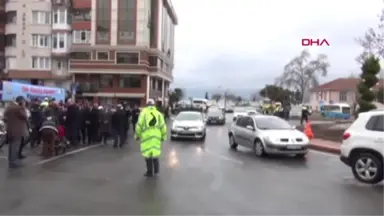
x=362, y=147
x=189, y=124
x=267, y=135
x=241, y=111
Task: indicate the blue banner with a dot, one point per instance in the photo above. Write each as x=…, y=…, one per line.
x=12, y=89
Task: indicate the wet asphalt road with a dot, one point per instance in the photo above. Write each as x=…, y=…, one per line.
x=196, y=179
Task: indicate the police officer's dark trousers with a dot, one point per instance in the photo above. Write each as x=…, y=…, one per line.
x=152, y=166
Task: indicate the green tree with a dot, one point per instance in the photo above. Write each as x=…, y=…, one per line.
x=206, y=95
x=275, y=93
x=302, y=72
x=176, y=95
x=370, y=70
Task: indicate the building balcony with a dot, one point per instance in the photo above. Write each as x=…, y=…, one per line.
x=61, y=52
x=12, y=29
x=82, y=4
x=62, y=3
x=61, y=27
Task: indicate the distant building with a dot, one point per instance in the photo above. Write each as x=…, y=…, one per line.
x=341, y=90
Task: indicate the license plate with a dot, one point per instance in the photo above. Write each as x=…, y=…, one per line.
x=293, y=147
x=213, y=121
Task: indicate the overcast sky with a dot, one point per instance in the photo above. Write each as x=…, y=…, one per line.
x=246, y=43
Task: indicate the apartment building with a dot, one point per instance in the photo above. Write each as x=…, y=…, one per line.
x=2, y=37
x=122, y=50
x=38, y=37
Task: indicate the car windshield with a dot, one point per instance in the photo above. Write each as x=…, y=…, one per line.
x=190, y=116
x=215, y=113
x=272, y=124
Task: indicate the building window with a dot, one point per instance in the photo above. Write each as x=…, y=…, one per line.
x=81, y=36
x=10, y=62
x=40, y=41
x=81, y=15
x=81, y=55
x=152, y=61
x=59, y=65
x=127, y=58
x=106, y=81
x=41, y=62
x=41, y=17
x=127, y=21
x=11, y=17
x=103, y=21
x=130, y=81
x=61, y=40
x=10, y=40
x=342, y=96
x=102, y=56
x=60, y=16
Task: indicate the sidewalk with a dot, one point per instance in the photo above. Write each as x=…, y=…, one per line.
x=325, y=146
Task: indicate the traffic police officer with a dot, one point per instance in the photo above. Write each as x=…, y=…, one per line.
x=152, y=131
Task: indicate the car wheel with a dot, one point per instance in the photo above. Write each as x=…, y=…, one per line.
x=258, y=148
x=367, y=168
x=173, y=138
x=232, y=142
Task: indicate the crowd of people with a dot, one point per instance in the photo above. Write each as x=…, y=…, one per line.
x=65, y=124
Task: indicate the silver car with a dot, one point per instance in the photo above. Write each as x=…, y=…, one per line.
x=189, y=124
x=267, y=135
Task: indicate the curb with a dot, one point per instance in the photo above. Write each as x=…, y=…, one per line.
x=323, y=148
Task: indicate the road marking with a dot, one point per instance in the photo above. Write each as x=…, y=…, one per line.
x=223, y=157
x=67, y=154
x=3, y=158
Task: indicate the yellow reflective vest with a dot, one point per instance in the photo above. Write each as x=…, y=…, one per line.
x=151, y=134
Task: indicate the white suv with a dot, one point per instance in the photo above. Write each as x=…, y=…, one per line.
x=362, y=147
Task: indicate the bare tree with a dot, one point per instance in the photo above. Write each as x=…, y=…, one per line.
x=372, y=41
x=302, y=72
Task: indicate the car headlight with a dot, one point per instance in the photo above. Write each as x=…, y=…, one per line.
x=200, y=128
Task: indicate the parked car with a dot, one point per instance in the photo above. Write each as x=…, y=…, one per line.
x=267, y=135
x=215, y=116
x=362, y=147
x=189, y=125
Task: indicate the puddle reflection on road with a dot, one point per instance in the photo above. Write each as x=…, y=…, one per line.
x=173, y=160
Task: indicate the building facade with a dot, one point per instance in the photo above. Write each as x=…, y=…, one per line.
x=110, y=50
x=37, y=41
x=123, y=50
x=2, y=37
x=341, y=90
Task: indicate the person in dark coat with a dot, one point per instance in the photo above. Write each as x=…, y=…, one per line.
x=135, y=116
x=49, y=131
x=15, y=117
x=105, y=125
x=71, y=122
x=127, y=122
x=118, y=127
x=86, y=124
x=36, y=121
x=94, y=124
